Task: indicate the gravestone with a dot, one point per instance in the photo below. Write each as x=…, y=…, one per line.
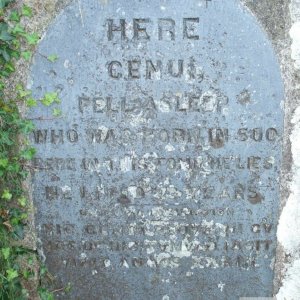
x=160, y=180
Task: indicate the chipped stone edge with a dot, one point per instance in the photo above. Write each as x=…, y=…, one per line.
x=287, y=47
x=44, y=11
x=288, y=232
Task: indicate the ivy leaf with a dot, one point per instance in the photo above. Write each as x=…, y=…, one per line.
x=24, y=93
x=14, y=16
x=11, y=274
x=26, y=11
x=56, y=112
x=26, y=55
x=18, y=30
x=6, y=195
x=5, y=138
x=17, y=45
x=3, y=162
x=5, y=253
x=27, y=127
x=50, y=98
x=28, y=154
x=8, y=69
x=22, y=201
x=53, y=58
x=32, y=39
x=45, y=295
x=24, y=216
x=43, y=271
x=19, y=87
x=31, y=102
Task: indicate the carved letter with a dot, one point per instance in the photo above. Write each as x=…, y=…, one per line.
x=189, y=30
x=168, y=26
x=113, y=28
x=140, y=33
x=113, y=69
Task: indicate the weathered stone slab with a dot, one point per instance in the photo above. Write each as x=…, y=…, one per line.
x=161, y=178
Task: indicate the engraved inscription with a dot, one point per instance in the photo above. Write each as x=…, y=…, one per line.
x=161, y=178
x=165, y=27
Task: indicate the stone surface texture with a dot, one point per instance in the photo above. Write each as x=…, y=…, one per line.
x=280, y=19
x=171, y=132
x=289, y=226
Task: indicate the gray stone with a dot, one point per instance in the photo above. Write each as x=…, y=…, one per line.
x=161, y=178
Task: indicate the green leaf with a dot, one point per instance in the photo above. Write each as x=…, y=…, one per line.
x=18, y=231
x=68, y=288
x=11, y=274
x=5, y=139
x=52, y=58
x=26, y=55
x=6, y=195
x=50, y=98
x=24, y=93
x=45, y=295
x=26, y=11
x=8, y=69
x=6, y=55
x=6, y=253
x=26, y=274
x=27, y=127
x=4, y=34
x=30, y=260
x=14, y=16
x=24, y=216
x=43, y=271
x=18, y=30
x=25, y=294
x=19, y=87
x=3, y=162
x=22, y=201
x=32, y=39
x=30, y=102
x=28, y=154
x=17, y=44
x=56, y=112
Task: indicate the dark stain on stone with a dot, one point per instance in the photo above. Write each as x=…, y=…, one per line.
x=244, y=97
x=256, y=199
x=124, y=200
